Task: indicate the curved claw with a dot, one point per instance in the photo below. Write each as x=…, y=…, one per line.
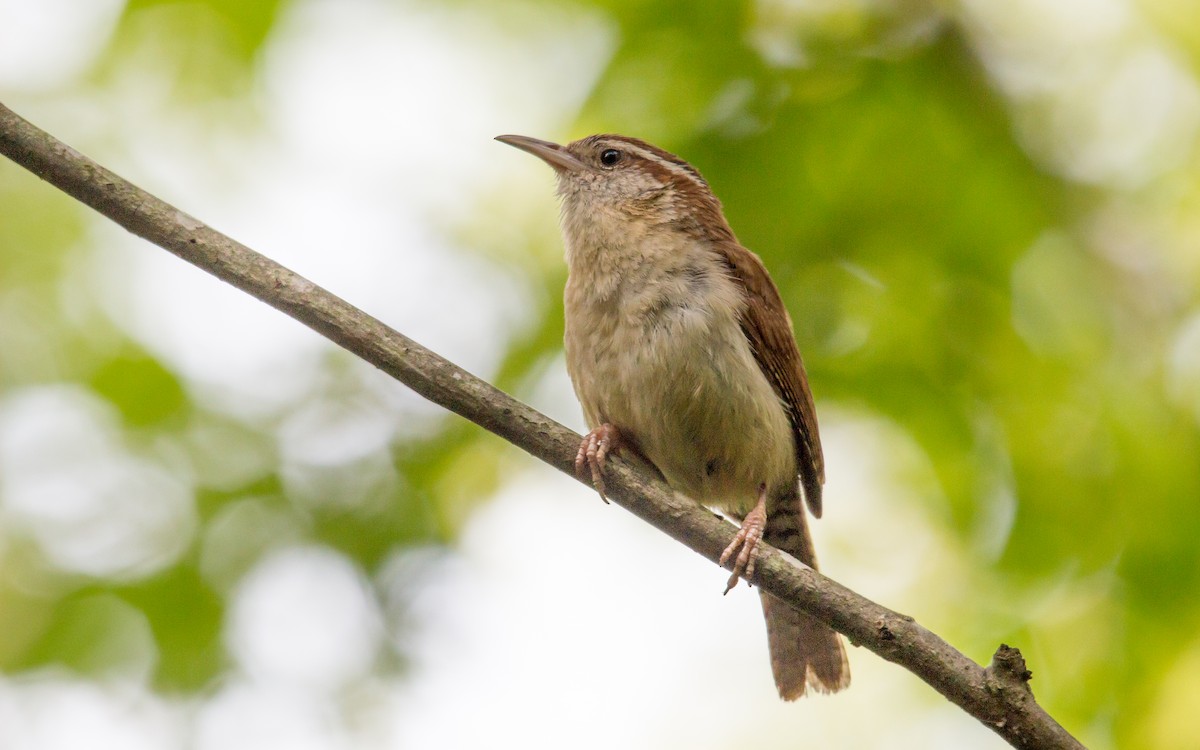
x=593, y=451
x=745, y=544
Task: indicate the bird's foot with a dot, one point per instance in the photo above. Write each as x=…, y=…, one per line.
x=745, y=544
x=593, y=450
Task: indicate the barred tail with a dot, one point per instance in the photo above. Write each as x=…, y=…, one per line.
x=805, y=654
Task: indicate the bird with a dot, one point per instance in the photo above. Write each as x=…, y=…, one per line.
x=682, y=355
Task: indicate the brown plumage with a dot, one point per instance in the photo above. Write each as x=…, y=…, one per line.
x=681, y=351
x=768, y=327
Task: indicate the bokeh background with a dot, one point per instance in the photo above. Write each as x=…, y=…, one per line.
x=219, y=531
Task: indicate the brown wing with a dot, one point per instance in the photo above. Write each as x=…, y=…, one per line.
x=769, y=329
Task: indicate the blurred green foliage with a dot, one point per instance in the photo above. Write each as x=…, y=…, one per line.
x=939, y=277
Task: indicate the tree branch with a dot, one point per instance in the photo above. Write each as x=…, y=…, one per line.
x=999, y=696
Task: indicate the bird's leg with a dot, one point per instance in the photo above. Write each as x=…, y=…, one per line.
x=745, y=544
x=593, y=450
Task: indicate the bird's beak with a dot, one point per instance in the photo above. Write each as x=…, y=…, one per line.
x=551, y=153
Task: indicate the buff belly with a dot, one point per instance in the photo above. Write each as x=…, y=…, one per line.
x=691, y=398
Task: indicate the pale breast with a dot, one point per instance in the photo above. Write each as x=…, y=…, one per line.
x=665, y=361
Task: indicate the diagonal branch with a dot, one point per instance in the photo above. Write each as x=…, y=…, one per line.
x=999, y=696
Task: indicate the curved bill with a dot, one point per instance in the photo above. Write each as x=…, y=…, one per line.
x=551, y=153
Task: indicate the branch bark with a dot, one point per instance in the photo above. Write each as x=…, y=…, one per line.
x=998, y=696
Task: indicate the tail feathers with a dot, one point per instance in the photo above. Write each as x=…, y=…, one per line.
x=805, y=654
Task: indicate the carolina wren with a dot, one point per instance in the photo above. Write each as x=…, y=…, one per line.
x=682, y=355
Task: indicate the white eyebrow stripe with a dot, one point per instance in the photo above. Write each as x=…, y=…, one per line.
x=684, y=170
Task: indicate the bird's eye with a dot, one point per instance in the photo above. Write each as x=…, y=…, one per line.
x=610, y=156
